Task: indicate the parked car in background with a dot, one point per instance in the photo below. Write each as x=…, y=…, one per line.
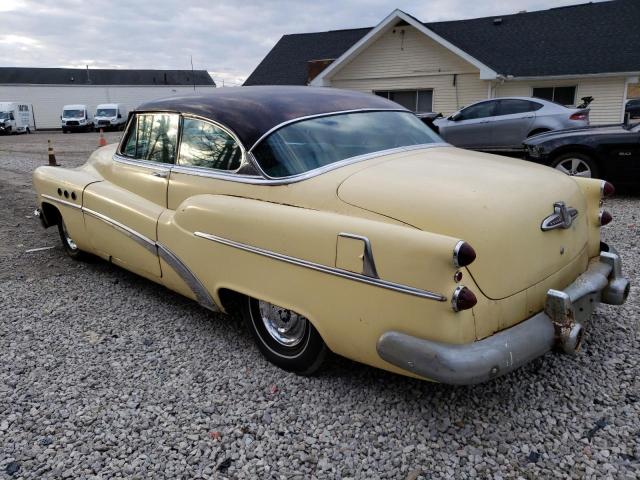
x=606, y=151
x=111, y=116
x=632, y=109
x=429, y=118
x=76, y=118
x=16, y=117
x=337, y=221
x=502, y=124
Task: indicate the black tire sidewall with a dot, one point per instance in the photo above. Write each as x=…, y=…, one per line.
x=76, y=254
x=582, y=156
x=305, y=358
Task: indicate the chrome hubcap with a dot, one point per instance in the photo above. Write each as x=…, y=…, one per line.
x=574, y=167
x=285, y=327
x=72, y=245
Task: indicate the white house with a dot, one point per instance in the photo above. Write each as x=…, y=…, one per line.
x=561, y=54
x=49, y=89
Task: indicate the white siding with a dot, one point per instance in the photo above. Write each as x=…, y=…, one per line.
x=48, y=100
x=396, y=54
x=445, y=100
x=608, y=94
x=415, y=61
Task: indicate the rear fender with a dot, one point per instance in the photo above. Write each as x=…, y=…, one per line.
x=402, y=255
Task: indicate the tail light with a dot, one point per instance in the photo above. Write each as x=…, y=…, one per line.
x=606, y=189
x=582, y=115
x=463, y=299
x=463, y=254
x=604, y=218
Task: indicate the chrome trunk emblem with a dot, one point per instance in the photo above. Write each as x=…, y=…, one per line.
x=562, y=217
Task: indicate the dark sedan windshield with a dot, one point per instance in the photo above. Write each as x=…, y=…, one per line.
x=309, y=144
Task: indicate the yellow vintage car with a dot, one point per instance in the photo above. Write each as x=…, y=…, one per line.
x=337, y=221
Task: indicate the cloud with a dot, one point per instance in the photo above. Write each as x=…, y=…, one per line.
x=227, y=37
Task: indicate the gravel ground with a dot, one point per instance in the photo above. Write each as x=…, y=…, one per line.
x=106, y=375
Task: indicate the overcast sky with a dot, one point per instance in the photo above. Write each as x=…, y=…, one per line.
x=226, y=37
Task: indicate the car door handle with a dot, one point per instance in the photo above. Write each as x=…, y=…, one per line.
x=162, y=174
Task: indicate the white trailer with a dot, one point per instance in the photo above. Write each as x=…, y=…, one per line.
x=16, y=117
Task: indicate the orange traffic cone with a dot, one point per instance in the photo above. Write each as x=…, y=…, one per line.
x=52, y=156
x=102, y=142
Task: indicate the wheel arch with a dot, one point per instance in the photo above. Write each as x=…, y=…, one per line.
x=50, y=214
x=538, y=130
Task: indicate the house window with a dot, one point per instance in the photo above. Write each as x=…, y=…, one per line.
x=419, y=101
x=561, y=95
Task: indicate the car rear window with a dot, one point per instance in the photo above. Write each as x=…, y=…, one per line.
x=314, y=143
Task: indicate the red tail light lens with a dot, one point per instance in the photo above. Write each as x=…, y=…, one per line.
x=605, y=218
x=463, y=254
x=580, y=116
x=463, y=299
x=607, y=189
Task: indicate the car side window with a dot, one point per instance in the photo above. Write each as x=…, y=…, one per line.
x=510, y=106
x=480, y=110
x=207, y=145
x=152, y=137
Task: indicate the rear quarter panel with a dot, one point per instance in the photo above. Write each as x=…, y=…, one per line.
x=349, y=315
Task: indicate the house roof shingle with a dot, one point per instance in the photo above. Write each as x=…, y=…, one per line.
x=581, y=39
x=81, y=76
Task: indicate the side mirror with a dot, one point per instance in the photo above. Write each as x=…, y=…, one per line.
x=119, y=115
x=455, y=117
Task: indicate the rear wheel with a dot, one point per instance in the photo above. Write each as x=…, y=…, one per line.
x=69, y=244
x=576, y=164
x=284, y=337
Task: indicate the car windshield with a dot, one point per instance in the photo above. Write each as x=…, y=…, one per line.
x=313, y=143
x=73, y=113
x=106, y=112
x=4, y=116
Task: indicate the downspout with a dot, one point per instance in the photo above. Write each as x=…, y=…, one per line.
x=455, y=85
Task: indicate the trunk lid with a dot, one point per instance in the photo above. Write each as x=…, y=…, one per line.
x=495, y=203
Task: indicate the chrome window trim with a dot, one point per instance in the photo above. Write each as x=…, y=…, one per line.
x=135, y=114
x=231, y=133
x=319, y=115
x=61, y=201
x=256, y=180
x=142, y=163
x=248, y=160
x=325, y=269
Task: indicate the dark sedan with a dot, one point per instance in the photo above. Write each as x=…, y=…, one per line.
x=611, y=152
x=632, y=109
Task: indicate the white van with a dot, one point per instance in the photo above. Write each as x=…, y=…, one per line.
x=111, y=115
x=76, y=118
x=16, y=117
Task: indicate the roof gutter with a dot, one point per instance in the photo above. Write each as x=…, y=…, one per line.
x=568, y=76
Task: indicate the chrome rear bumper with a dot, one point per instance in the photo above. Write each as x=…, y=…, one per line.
x=559, y=324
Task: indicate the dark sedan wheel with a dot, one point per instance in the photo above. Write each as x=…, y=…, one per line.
x=284, y=337
x=576, y=164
